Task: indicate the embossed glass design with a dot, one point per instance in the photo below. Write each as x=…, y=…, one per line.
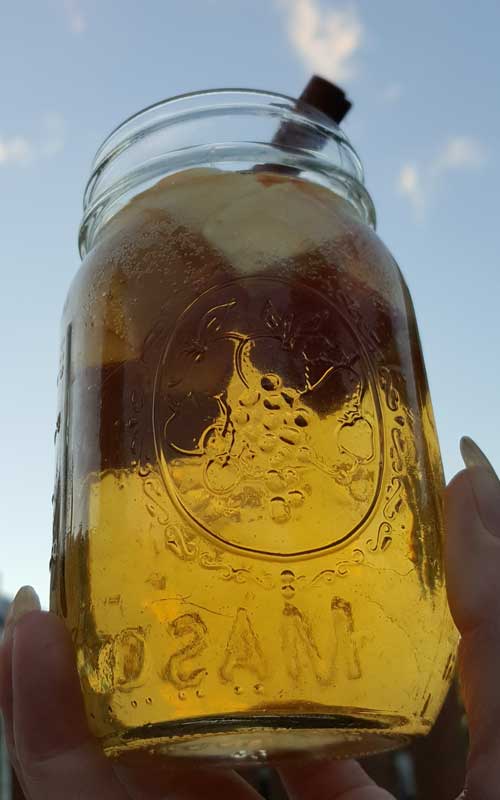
x=248, y=524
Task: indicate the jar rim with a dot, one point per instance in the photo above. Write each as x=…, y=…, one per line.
x=180, y=103
x=117, y=157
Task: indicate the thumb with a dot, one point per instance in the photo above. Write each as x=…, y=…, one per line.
x=472, y=511
x=472, y=508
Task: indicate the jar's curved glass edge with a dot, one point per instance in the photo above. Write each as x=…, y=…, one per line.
x=288, y=115
x=328, y=123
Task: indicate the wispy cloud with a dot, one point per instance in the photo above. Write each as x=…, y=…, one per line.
x=21, y=150
x=74, y=14
x=325, y=40
x=459, y=152
x=16, y=150
x=418, y=182
x=409, y=185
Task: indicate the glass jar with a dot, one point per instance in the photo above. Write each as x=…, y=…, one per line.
x=248, y=524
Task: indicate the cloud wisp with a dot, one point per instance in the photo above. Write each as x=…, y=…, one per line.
x=20, y=150
x=418, y=182
x=17, y=150
x=459, y=152
x=409, y=185
x=75, y=17
x=326, y=41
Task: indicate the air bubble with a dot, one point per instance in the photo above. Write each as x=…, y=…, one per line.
x=134, y=703
x=259, y=688
x=238, y=690
x=182, y=695
x=149, y=701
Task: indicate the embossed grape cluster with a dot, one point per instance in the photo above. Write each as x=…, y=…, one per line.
x=273, y=425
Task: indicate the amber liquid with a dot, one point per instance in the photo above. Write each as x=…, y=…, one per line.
x=248, y=520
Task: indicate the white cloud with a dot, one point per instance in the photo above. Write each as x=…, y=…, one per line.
x=326, y=41
x=418, y=182
x=460, y=152
x=21, y=150
x=74, y=14
x=16, y=150
x=409, y=185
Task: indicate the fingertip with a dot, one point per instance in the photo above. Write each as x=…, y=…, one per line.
x=459, y=490
x=463, y=523
x=38, y=623
x=472, y=555
x=473, y=456
x=484, y=485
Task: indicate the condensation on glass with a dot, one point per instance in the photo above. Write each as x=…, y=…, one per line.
x=248, y=525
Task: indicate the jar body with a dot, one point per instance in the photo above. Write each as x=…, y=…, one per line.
x=248, y=534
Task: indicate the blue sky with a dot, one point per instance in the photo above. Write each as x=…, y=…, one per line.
x=425, y=80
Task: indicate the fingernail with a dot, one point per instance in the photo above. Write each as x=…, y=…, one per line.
x=485, y=484
x=473, y=456
x=25, y=600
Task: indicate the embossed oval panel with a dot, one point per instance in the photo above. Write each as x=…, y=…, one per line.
x=267, y=419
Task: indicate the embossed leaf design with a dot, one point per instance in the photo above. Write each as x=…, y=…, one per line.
x=213, y=322
x=289, y=327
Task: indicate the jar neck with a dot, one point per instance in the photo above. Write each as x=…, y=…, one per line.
x=229, y=130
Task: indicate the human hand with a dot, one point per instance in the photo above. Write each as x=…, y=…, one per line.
x=55, y=756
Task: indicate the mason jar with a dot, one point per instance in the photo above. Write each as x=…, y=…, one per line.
x=248, y=521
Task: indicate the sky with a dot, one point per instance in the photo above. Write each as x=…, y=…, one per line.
x=425, y=81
